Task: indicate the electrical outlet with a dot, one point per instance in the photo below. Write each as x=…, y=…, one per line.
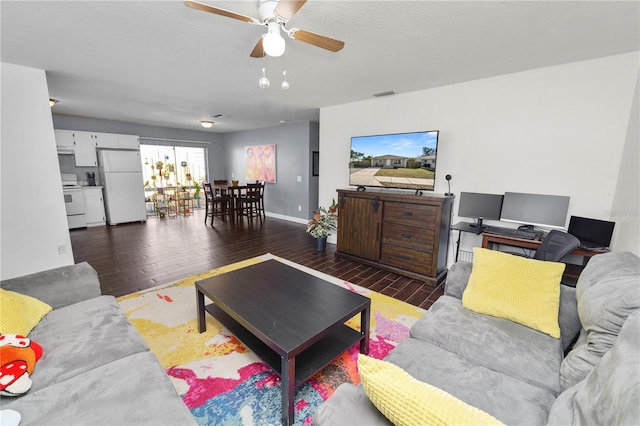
x=62, y=249
x=299, y=208
x=299, y=178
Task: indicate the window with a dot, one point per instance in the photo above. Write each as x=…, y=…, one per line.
x=180, y=165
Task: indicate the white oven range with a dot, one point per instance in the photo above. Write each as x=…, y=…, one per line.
x=73, y=201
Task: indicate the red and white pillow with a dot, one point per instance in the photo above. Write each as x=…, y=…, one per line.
x=18, y=355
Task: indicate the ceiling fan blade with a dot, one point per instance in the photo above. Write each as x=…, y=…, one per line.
x=317, y=40
x=287, y=8
x=206, y=8
x=258, y=51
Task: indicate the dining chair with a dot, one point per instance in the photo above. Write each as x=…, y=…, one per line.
x=208, y=196
x=249, y=202
x=217, y=203
x=261, y=199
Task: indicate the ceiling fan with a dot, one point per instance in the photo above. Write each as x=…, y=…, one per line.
x=274, y=15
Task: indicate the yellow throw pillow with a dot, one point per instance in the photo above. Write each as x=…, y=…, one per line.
x=526, y=291
x=19, y=313
x=405, y=400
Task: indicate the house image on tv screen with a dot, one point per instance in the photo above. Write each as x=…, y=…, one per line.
x=402, y=160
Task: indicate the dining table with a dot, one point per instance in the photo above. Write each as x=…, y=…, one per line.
x=234, y=192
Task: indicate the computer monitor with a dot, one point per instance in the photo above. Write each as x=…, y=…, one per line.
x=480, y=206
x=547, y=211
x=592, y=233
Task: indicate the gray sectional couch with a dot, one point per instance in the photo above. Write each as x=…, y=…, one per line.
x=95, y=369
x=517, y=374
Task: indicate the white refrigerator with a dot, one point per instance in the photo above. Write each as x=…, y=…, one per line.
x=121, y=176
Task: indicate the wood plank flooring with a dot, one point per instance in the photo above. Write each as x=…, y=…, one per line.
x=137, y=256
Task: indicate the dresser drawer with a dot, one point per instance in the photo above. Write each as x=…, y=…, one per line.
x=412, y=260
x=412, y=237
x=410, y=214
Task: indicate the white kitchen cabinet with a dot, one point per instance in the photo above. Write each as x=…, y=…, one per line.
x=82, y=144
x=85, y=149
x=106, y=140
x=65, y=141
x=94, y=205
x=129, y=142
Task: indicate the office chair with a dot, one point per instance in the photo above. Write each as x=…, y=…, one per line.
x=555, y=246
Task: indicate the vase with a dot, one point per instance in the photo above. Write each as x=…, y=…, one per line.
x=320, y=244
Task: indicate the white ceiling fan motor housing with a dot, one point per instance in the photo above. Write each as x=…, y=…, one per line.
x=266, y=9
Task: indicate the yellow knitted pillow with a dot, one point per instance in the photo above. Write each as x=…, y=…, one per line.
x=405, y=400
x=515, y=288
x=19, y=313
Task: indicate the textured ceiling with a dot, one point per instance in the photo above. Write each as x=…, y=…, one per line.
x=161, y=63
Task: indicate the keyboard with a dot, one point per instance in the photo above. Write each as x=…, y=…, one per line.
x=511, y=232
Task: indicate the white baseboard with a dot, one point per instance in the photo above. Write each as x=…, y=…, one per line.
x=289, y=218
x=332, y=239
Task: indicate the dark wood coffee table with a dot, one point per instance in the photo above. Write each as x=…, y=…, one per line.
x=292, y=320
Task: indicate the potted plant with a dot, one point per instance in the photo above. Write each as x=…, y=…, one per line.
x=323, y=222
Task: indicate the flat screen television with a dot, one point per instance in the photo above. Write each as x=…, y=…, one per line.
x=398, y=160
x=547, y=211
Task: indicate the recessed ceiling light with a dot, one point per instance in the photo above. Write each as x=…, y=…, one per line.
x=206, y=124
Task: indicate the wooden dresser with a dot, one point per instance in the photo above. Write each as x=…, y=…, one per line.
x=396, y=231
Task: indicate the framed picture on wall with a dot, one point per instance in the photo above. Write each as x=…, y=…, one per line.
x=260, y=163
x=315, y=163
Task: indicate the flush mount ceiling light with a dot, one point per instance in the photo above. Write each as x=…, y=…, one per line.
x=52, y=102
x=206, y=124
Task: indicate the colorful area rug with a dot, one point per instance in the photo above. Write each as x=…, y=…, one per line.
x=220, y=380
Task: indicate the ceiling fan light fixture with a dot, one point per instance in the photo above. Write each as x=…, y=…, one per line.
x=285, y=83
x=273, y=43
x=264, y=81
x=206, y=124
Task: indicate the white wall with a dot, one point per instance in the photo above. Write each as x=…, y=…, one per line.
x=33, y=220
x=558, y=130
x=626, y=203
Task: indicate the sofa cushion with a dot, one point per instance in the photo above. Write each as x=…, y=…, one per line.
x=407, y=401
x=457, y=279
x=490, y=391
x=522, y=290
x=497, y=344
x=20, y=313
x=349, y=405
x=82, y=337
x=611, y=391
x=608, y=291
x=568, y=319
x=134, y=390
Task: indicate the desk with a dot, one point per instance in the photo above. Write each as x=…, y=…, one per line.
x=489, y=241
x=464, y=227
x=572, y=272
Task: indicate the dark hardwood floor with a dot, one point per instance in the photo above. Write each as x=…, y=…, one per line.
x=137, y=256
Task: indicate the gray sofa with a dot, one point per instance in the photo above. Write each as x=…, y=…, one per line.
x=95, y=369
x=517, y=374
